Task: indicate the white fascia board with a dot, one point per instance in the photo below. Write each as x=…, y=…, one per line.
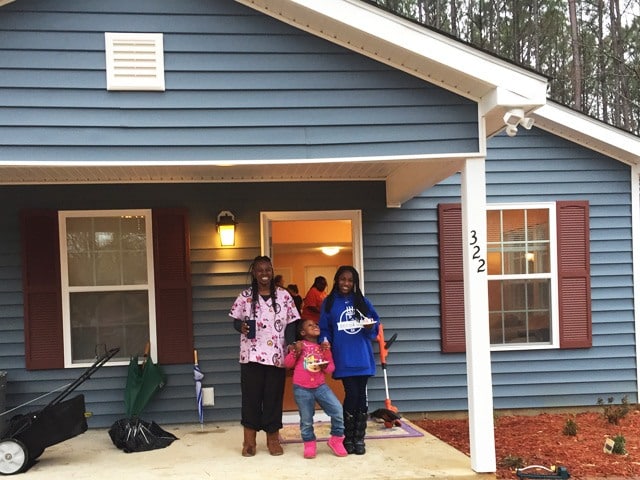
x=589, y=132
x=400, y=43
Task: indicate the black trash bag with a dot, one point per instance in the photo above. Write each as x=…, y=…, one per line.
x=136, y=435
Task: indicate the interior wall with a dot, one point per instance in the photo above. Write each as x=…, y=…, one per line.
x=296, y=263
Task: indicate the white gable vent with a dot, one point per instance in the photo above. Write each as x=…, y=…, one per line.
x=135, y=61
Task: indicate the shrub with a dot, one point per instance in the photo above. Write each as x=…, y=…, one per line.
x=619, y=443
x=513, y=462
x=612, y=412
x=570, y=428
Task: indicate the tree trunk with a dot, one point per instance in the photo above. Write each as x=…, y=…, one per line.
x=454, y=17
x=602, y=69
x=576, y=76
x=623, y=107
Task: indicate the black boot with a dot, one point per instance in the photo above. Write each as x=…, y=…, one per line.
x=361, y=430
x=349, y=432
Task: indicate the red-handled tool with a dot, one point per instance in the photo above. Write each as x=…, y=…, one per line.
x=390, y=413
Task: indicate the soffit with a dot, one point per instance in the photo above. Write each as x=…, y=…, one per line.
x=404, y=179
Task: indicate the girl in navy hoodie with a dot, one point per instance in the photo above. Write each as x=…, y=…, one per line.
x=350, y=323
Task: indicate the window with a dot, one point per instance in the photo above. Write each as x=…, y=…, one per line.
x=107, y=282
x=538, y=276
x=121, y=270
x=521, y=274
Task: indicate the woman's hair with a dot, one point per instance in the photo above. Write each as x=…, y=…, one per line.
x=320, y=282
x=358, y=297
x=254, y=283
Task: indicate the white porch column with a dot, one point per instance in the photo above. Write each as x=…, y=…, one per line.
x=476, y=312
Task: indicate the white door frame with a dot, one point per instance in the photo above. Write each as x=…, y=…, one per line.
x=355, y=216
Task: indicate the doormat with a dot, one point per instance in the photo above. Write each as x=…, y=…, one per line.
x=290, y=432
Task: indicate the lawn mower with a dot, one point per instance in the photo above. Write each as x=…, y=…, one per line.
x=27, y=436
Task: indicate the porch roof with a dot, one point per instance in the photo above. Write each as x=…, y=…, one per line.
x=495, y=84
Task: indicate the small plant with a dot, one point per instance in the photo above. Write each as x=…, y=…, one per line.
x=619, y=443
x=613, y=412
x=570, y=428
x=513, y=462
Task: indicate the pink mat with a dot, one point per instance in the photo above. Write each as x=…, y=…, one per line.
x=290, y=432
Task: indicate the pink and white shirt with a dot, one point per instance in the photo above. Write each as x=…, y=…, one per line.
x=268, y=347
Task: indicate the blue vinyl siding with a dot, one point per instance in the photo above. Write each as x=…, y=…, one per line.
x=532, y=167
x=218, y=275
x=239, y=85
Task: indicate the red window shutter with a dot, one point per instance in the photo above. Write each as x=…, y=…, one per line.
x=41, y=289
x=44, y=347
x=451, y=277
x=173, y=286
x=574, y=274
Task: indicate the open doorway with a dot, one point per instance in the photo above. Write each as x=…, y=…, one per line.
x=295, y=242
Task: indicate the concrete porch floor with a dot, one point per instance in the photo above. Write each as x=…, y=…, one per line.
x=214, y=453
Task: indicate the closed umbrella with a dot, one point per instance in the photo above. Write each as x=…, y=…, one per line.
x=197, y=377
x=143, y=382
x=132, y=434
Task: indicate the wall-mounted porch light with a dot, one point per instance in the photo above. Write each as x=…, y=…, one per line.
x=226, y=226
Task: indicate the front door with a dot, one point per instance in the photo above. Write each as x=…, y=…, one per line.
x=295, y=241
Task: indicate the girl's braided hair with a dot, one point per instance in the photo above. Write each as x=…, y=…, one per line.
x=254, y=284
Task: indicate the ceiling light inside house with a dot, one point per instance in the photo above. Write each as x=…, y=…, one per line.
x=330, y=251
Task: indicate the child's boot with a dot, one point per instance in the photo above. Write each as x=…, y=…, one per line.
x=310, y=449
x=337, y=446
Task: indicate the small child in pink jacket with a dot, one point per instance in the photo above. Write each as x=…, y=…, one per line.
x=311, y=362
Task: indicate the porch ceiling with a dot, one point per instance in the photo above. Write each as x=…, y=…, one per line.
x=404, y=178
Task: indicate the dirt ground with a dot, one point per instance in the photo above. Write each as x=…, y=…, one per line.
x=524, y=440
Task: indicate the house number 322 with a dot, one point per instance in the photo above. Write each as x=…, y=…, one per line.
x=476, y=252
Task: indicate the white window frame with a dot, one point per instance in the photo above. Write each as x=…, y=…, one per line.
x=355, y=216
x=66, y=290
x=554, y=342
